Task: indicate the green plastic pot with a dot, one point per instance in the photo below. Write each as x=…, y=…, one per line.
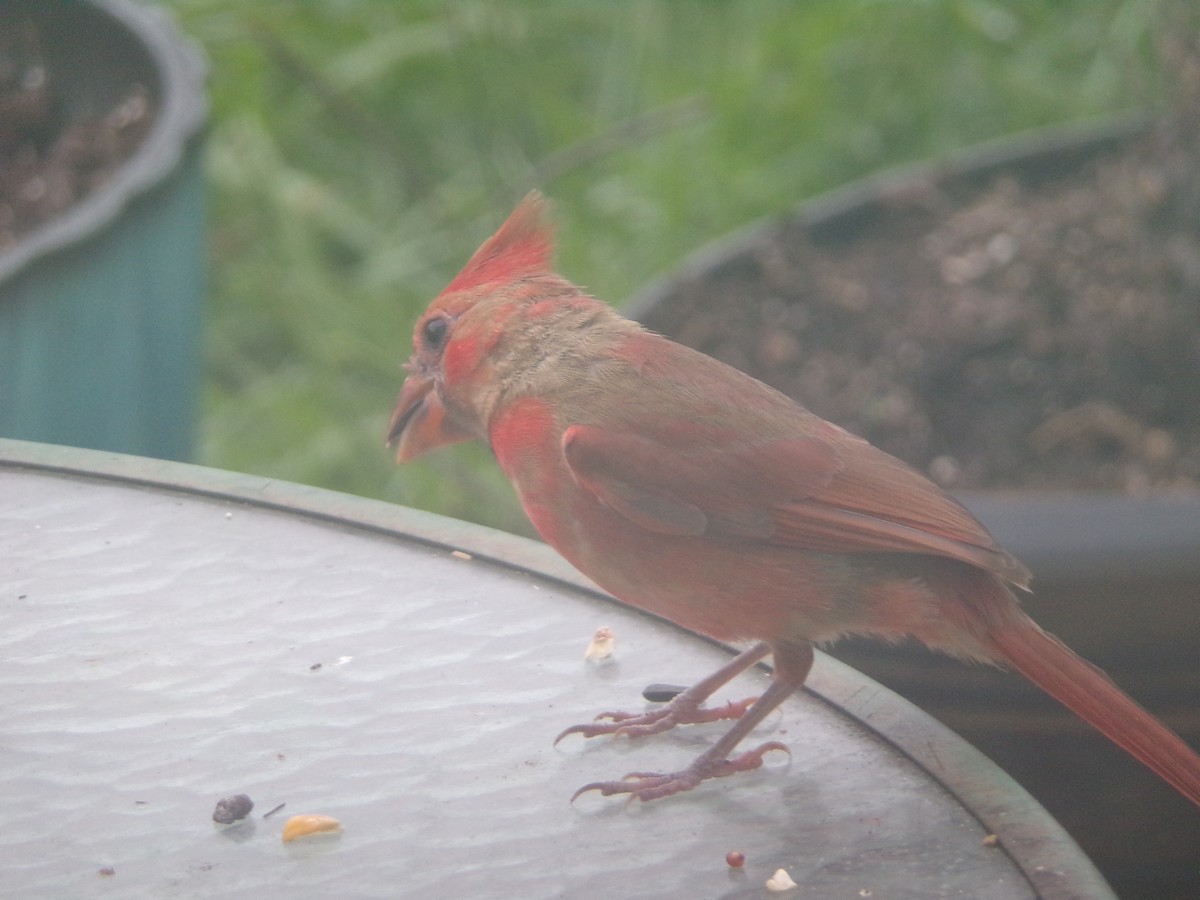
x=100, y=308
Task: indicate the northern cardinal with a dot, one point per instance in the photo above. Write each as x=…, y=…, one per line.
x=691, y=490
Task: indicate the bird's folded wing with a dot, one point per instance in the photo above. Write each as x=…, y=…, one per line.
x=834, y=494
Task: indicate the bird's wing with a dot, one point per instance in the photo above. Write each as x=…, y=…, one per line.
x=828, y=492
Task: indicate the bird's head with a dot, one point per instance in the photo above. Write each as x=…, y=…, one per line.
x=465, y=344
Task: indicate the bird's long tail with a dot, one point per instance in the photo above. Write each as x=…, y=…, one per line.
x=1090, y=694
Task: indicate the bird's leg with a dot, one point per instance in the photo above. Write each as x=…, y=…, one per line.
x=686, y=708
x=716, y=762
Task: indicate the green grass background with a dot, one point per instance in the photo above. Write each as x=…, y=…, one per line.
x=360, y=150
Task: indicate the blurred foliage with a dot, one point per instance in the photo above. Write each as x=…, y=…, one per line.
x=361, y=149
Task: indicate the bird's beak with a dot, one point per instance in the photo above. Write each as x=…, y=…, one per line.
x=419, y=421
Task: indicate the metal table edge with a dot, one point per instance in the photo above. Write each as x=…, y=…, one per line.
x=1048, y=857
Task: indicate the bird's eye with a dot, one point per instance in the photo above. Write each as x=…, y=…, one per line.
x=434, y=332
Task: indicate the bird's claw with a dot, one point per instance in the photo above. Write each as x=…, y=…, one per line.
x=647, y=786
x=656, y=721
x=615, y=722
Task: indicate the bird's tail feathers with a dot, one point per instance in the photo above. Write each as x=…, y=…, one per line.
x=1090, y=694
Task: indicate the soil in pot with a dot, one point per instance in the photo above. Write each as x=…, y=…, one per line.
x=49, y=162
x=1037, y=328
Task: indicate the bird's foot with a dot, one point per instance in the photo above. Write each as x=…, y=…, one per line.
x=654, y=785
x=682, y=710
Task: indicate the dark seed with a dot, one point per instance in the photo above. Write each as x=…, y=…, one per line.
x=662, y=693
x=232, y=809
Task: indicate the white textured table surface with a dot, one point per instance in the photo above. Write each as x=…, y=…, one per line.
x=159, y=650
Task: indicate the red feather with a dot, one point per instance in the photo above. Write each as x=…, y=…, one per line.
x=523, y=246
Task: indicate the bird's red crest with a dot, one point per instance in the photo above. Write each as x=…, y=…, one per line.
x=522, y=246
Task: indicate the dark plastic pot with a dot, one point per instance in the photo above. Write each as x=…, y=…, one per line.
x=100, y=307
x=1118, y=578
